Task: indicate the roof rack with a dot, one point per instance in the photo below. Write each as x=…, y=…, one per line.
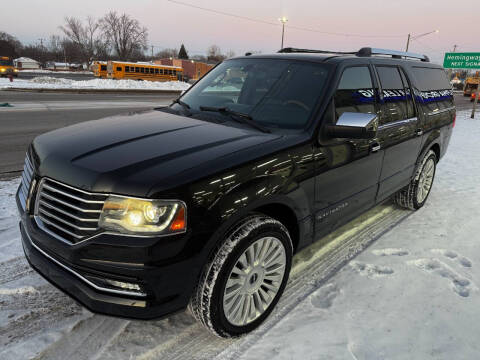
x=366, y=51
x=296, y=50
x=363, y=52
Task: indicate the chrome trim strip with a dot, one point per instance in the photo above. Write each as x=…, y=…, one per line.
x=23, y=201
x=43, y=203
x=436, y=112
x=397, y=123
x=96, y=287
x=48, y=187
x=43, y=211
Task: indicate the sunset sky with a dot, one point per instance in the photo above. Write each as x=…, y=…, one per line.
x=376, y=23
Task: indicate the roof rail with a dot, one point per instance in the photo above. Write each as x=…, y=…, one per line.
x=363, y=52
x=310, y=51
x=367, y=51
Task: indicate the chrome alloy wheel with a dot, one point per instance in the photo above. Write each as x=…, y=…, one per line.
x=425, y=181
x=254, y=281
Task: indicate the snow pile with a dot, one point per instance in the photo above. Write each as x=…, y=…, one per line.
x=45, y=71
x=48, y=82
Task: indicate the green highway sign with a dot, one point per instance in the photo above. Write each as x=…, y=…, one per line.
x=462, y=61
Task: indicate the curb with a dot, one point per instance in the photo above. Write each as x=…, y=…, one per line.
x=96, y=91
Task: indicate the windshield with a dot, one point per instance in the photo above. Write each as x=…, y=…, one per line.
x=5, y=62
x=274, y=93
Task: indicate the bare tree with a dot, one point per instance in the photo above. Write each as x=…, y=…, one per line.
x=215, y=54
x=85, y=36
x=125, y=34
x=9, y=45
x=167, y=53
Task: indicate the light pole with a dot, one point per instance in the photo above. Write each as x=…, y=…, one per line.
x=283, y=20
x=410, y=37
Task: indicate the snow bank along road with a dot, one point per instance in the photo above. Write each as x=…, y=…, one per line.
x=35, y=113
x=55, y=83
x=412, y=294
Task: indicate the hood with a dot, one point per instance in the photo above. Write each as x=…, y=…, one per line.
x=128, y=154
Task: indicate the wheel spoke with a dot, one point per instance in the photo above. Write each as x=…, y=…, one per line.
x=254, y=281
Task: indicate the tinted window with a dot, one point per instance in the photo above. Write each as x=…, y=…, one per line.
x=411, y=112
x=276, y=93
x=355, y=92
x=152, y=71
x=394, y=97
x=127, y=68
x=429, y=79
x=103, y=67
x=6, y=62
x=156, y=71
x=119, y=68
x=142, y=70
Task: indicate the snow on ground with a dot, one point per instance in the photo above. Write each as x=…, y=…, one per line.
x=45, y=71
x=413, y=294
x=48, y=82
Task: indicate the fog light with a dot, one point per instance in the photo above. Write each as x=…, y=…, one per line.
x=123, y=285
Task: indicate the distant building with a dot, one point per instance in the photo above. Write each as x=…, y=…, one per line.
x=26, y=63
x=192, y=70
x=51, y=65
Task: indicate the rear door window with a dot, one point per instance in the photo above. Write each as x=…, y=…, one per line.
x=393, y=94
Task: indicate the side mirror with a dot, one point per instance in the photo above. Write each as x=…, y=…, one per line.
x=353, y=125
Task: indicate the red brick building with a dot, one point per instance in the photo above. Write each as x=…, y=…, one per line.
x=191, y=69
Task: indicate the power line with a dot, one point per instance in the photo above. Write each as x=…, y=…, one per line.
x=275, y=24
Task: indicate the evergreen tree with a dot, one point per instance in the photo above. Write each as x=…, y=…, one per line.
x=182, y=54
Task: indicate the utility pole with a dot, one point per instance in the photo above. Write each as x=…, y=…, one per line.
x=451, y=70
x=152, y=53
x=408, y=42
x=475, y=102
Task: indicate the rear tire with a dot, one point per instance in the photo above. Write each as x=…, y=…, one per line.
x=415, y=195
x=243, y=282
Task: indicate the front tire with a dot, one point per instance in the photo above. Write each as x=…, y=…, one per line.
x=416, y=193
x=243, y=282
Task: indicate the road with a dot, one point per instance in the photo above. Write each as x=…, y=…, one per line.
x=73, y=76
x=35, y=113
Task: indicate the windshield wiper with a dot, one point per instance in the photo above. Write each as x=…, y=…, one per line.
x=237, y=116
x=182, y=103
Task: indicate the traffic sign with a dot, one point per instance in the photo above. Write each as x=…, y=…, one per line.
x=462, y=60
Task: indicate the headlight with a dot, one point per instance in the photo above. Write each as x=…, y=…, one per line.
x=16, y=70
x=143, y=217
x=2, y=70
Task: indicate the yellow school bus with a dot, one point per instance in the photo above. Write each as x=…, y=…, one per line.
x=99, y=69
x=6, y=67
x=143, y=71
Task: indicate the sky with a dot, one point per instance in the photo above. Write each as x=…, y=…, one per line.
x=376, y=23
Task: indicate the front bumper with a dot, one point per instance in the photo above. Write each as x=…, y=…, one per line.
x=166, y=282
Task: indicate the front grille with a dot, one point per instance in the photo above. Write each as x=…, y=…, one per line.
x=68, y=213
x=27, y=177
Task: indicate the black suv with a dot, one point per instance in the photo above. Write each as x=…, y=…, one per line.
x=203, y=203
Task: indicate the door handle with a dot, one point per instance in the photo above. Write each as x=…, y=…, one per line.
x=419, y=132
x=375, y=147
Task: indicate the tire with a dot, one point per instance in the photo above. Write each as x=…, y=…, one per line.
x=213, y=304
x=411, y=196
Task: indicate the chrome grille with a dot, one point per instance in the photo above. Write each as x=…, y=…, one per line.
x=68, y=213
x=27, y=177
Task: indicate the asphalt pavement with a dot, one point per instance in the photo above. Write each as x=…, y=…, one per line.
x=32, y=114
x=72, y=76
x=36, y=113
